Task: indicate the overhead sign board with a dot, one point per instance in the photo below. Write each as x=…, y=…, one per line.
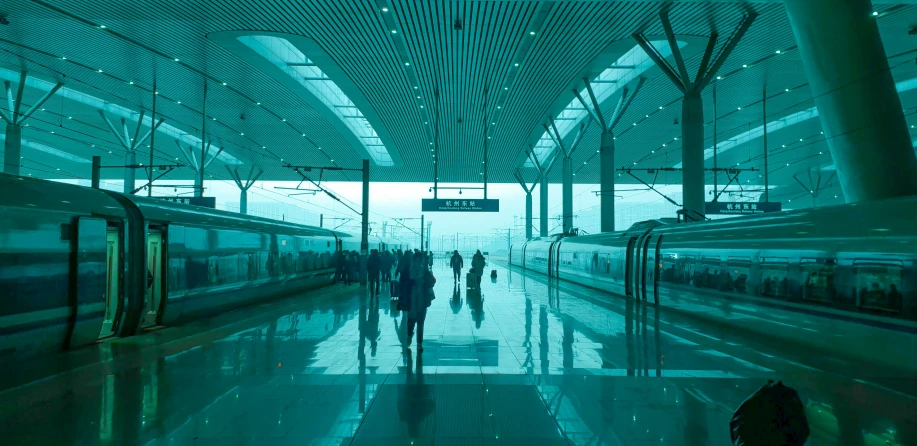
x=207, y=202
x=732, y=208
x=453, y=205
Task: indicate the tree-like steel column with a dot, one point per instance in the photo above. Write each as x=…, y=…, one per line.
x=244, y=186
x=692, y=106
x=857, y=100
x=567, y=177
x=130, y=145
x=12, y=154
x=196, y=165
x=607, y=146
x=528, y=201
x=542, y=190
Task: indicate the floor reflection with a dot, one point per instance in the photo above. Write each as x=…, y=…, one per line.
x=524, y=360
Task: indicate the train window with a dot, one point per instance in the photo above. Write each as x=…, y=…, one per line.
x=709, y=275
x=878, y=285
x=668, y=266
x=773, y=276
x=738, y=271
x=818, y=279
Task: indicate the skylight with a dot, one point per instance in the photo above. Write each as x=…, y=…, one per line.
x=627, y=68
x=114, y=109
x=293, y=62
x=51, y=151
x=793, y=119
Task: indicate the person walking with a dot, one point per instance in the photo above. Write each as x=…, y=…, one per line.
x=385, y=262
x=457, y=263
x=404, y=281
x=478, y=263
x=422, y=282
x=373, y=265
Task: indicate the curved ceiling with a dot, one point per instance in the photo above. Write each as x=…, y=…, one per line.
x=438, y=81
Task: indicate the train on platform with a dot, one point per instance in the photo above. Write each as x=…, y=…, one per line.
x=79, y=264
x=856, y=262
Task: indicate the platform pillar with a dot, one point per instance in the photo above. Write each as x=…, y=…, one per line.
x=692, y=153
x=607, y=181
x=857, y=101
x=364, y=233
x=130, y=174
x=567, y=194
x=543, y=207
x=243, y=201
x=12, y=149
x=528, y=215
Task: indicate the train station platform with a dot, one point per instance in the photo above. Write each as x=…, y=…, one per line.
x=525, y=361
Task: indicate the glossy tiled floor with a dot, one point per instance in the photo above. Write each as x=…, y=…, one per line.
x=524, y=362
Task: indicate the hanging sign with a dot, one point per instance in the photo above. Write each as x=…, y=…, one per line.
x=731, y=208
x=207, y=202
x=452, y=205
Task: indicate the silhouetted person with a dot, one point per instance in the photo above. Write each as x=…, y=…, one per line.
x=373, y=265
x=478, y=263
x=457, y=263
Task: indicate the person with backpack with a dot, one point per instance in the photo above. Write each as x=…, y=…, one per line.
x=457, y=263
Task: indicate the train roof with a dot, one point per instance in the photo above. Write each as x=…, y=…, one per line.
x=53, y=196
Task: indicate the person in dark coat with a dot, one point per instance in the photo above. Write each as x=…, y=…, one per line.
x=404, y=281
x=385, y=264
x=457, y=263
x=373, y=265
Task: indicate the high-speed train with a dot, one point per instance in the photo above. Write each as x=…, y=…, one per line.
x=79, y=264
x=854, y=262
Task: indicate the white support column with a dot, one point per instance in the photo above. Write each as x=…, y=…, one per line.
x=858, y=104
x=12, y=146
x=567, y=194
x=12, y=149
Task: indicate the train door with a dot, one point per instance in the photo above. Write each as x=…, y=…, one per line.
x=112, y=282
x=557, y=259
x=637, y=268
x=88, y=271
x=153, y=299
x=647, y=266
x=551, y=260
x=655, y=260
x=629, y=267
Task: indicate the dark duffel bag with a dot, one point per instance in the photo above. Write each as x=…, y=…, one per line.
x=394, y=287
x=773, y=415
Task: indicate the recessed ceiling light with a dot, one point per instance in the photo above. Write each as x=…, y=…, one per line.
x=719, y=77
x=176, y=59
x=778, y=51
x=63, y=58
x=498, y=106
x=131, y=82
x=407, y=63
x=660, y=107
x=744, y=66
x=384, y=9
x=102, y=26
x=224, y=84
x=506, y=88
x=421, y=106
x=418, y=97
x=532, y=33
x=257, y=103
x=787, y=89
x=394, y=32
x=740, y=108
x=874, y=13
x=635, y=123
x=303, y=134
x=69, y=117
x=100, y=71
x=517, y=64
x=242, y=134
x=178, y=102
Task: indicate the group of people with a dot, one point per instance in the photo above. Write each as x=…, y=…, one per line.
x=477, y=267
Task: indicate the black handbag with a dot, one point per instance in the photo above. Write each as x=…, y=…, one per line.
x=773, y=415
